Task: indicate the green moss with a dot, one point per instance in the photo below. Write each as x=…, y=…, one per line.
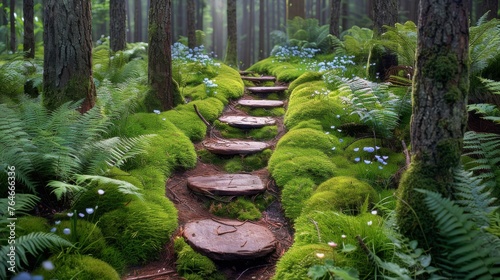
x=115, y=258
x=341, y=193
x=262, y=66
x=210, y=108
x=288, y=75
x=192, y=265
x=89, y=238
x=294, y=195
x=241, y=209
x=312, y=124
x=309, y=138
x=331, y=226
x=27, y=224
x=248, y=163
x=84, y=267
x=140, y=230
x=318, y=169
x=188, y=122
x=440, y=67
x=296, y=262
x=305, y=78
x=264, y=133
x=208, y=157
x=262, y=112
x=288, y=153
x=150, y=177
x=324, y=111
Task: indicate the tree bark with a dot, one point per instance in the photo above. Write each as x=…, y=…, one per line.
x=118, y=20
x=67, y=37
x=163, y=92
x=29, y=32
x=295, y=8
x=232, y=39
x=439, y=119
x=261, y=29
x=345, y=15
x=13, y=43
x=137, y=21
x=335, y=17
x=191, y=23
x=385, y=12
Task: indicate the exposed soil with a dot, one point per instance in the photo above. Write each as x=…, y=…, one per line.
x=192, y=207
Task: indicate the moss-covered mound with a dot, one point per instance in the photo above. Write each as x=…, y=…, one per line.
x=140, y=230
x=192, y=265
x=87, y=237
x=241, y=209
x=294, y=195
x=342, y=193
x=78, y=267
x=305, y=78
x=317, y=168
x=289, y=153
x=27, y=224
x=308, y=138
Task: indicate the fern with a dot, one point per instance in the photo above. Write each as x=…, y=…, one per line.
x=468, y=253
x=483, y=149
x=30, y=244
x=402, y=39
x=484, y=43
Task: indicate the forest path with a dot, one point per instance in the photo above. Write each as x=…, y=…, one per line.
x=248, y=249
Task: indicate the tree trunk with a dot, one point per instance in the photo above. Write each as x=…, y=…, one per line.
x=191, y=23
x=118, y=20
x=129, y=24
x=345, y=15
x=232, y=39
x=29, y=32
x=261, y=29
x=441, y=85
x=335, y=17
x=295, y=8
x=163, y=94
x=13, y=43
x=385, y=12
x=67, y=74
x=200, y=6
x=137, y=21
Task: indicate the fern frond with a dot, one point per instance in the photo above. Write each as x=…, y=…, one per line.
x=24, y=204
x=32, y=243
x=467, y=252
x=61, y=189
x=484, y=150
x=484, y=43
x=123, y=187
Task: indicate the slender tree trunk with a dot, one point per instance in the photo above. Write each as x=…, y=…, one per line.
x=295, y=8
x=200, y=6
x=335, y=17
x=29, y=32
x=385, y=13
x=440, y=90
x=345, y=15
x=138, y=21
x=251, y=32
x=261, y=29
x=414, y=11
x=191, y=28
x=13, y=43
x=4, y=19
x=163, y=93
x=118, y=20
x=232, y=39
x=67, y=74
x=129, y=24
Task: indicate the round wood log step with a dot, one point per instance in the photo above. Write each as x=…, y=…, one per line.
x=266, y=89
x=247, y=122
x=229, y=239
x=228, y=147
x=259, y=78
x=260, y=103
x=226, y=184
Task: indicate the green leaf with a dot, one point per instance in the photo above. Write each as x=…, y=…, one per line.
x=348, y=248
x=317, y=271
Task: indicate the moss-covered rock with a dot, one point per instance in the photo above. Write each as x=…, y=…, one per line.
x=294, y=195
x=263, y=66
x=114, y=258
x=288, y=153
x=140, y=230
x=341, y=193
x=318, y=169
x=188, y=122
x=296, y=262
x=305, y=78
x=27, y=224
x=192, y=265
x=323, y=110
x=241, y=209
x=150, y=177
x=79, y=266
x=248, y=163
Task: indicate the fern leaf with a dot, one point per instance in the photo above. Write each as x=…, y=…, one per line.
x=123, y=187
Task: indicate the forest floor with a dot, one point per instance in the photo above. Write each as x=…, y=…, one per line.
x=192, y=206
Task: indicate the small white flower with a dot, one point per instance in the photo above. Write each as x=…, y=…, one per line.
x=320, y=255
x=338, y=116
x=70, y=214
x=53, y=229
x=339, y=130
x=48, y=265
x=333, y=149
x=367, y=161
x=385, y=157
x=156, y=112
x=164, y=119
x=81, y=215
x=332, y=127
x=66, y=231
x=100, y=192
x=380, y=167
x=89, y=210
x=356, y=149
x=57, y=222
x=344, y=236
x=369, y=223
x=332, y=244
x=327, y=132
x=357, y=159
x=369, y=149
x=374, y=212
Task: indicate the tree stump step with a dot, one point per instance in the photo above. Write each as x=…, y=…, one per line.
x=247, y=122
x=226, y=184
x=229, y=239
x=229, y=147
x=266, y=89
x=260, y=103
x=259, y=78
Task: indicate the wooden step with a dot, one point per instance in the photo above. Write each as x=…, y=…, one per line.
x=222, y=239
x=259, y=79
x=226, y=184
x=229, y=147
x=246, y=72
x=267, y=89
x=260, y=103
x=247, y=121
